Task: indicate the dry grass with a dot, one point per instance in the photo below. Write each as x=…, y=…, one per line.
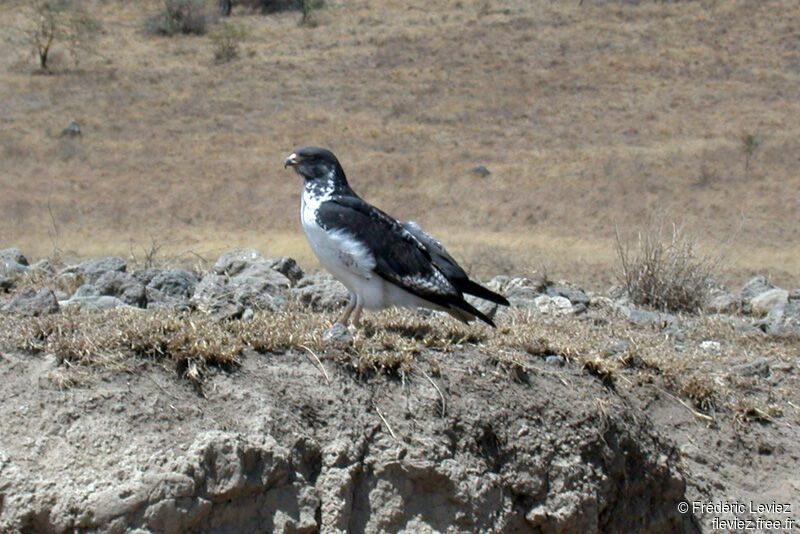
x=393, y=341
x=664, y=271
x=586, y=115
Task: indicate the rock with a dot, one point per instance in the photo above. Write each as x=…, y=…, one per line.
x=553, y=305
x=782, y=321
x=576, y=295
x=144, y=276
x=174, y=283
x=242, y=279
x=321, y=292
x=754, y=287
x=86, y=290
x=764, y=302
x=521, y=292
x=13, y=255
x=33, y=303
x=94, y=269
x=288, y=268
x=123, y=286
x=641, y=317
x=758, y=367
x=12, y=265
x=338, y=335
x=73, y=129
x=92, y=303
x=45, y=267
x=215, y=295
x=481, y=171
x=721, y=301
x=555, y=360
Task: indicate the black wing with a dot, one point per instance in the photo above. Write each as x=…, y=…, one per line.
x=400, y=257
x=448, y=266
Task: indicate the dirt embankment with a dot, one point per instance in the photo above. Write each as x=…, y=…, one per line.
x=280, y=445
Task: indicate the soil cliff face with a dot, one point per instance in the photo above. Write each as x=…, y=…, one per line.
x=279, y=446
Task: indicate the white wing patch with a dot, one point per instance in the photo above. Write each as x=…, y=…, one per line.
x=434, y=284
x=352, y=254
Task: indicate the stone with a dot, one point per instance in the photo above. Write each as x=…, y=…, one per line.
x=763, y=303
x=288, y=268
x=782, y=321
x=481, y=171
x=321, y=292
x=123, y=286
x=758, y=367
x=754, y=287
x=13, y=255
x=92, y=303
x=576, y=295
x=556, y=360
x=213, y=295
x=547, y=305
x=73, y=129
x=720, y=301
x=175, y=283
x=33, y=303
x=12, y=265
x=241, y=279
x=337, y=335
x=642, y=317
x=521, y=292
x=94, y=269
x=711, y=346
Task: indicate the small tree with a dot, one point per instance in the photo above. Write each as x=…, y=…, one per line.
x=750, y=145
x=226, y=37
x=64, y=21
x=307, y=6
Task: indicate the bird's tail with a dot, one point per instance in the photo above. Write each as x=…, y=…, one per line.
x=465, y=312
x=471, y=288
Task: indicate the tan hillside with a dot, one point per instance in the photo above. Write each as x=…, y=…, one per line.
x=588, y=115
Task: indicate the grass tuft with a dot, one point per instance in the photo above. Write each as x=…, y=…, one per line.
x=664, y=271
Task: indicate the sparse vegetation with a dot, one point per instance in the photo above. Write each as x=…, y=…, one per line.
x=65, y=22
x=750, y=145
x=664, y=271
x=307, y=7
x=180, y=17
x=227, y=38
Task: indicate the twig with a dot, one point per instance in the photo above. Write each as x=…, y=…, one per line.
x=697, y=414
x=439, y=391
x=162, y=388
x=321, y=367
x=385, y=422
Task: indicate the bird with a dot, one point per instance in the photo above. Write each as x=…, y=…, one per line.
x=381, y=261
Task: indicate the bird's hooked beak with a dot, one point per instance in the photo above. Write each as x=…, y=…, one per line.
x=291, y=160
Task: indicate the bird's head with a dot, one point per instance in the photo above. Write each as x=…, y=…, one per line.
x=314, y=163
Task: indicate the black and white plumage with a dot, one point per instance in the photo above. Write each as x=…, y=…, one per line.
x=380, y=260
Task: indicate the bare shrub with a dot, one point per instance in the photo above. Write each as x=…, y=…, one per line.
x=179, y=17
x=227, y=37
x=60, y=21
x=664, y=272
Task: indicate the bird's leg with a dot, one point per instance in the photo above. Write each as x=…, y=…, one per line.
x=357, y=316
x=347, y=310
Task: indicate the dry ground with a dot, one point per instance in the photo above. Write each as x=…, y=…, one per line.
x=588, y=114
x=736, y=430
